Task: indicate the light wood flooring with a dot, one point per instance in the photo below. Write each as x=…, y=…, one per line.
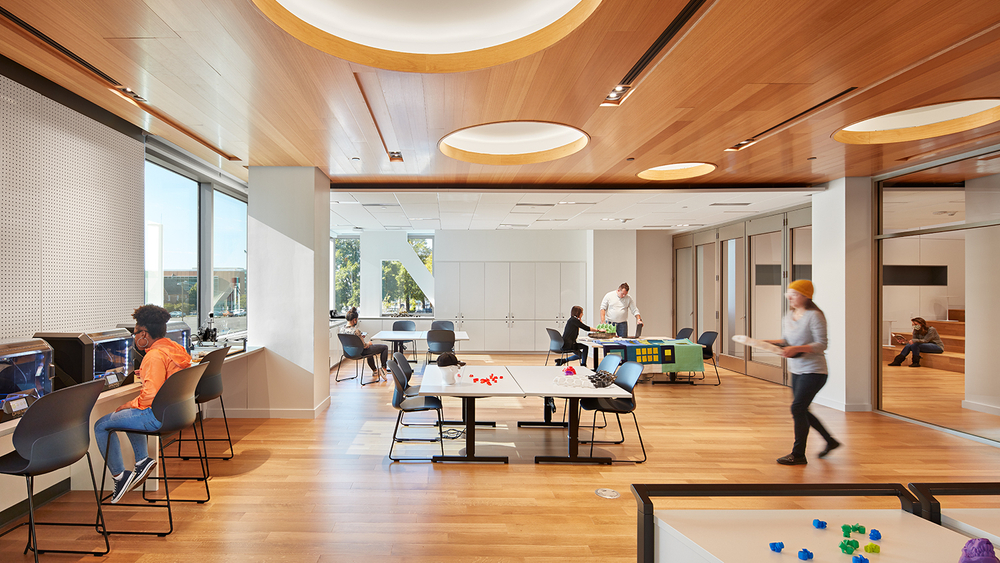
x=323, y=490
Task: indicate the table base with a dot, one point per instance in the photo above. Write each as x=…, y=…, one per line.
x=573, y=453
x=469, y=411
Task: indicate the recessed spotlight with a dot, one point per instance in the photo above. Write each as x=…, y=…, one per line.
x=395, y=156
x=356, y=158
x=617, y=95
x=741, y=145
x=630, y=159
x=811, y=158
x=567, y=203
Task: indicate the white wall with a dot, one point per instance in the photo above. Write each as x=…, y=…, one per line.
x=842, y=275
x=288, y=234
x=654, y=261
x=615, y=262
x=510, y=246
x=901, y=303
x=982, y=386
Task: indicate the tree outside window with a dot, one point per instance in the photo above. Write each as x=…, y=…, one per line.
x=400, y=293
x=347, y=273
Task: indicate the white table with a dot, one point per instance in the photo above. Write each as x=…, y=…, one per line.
x=517, y=381
x=742, y=536
x=973, y=522
x=412, y=335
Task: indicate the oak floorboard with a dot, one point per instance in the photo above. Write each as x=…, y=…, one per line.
x=324, y=490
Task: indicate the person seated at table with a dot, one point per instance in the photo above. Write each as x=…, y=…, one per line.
x=924, y=339
x=371, y=350
x=570, y=334
x=163, y=358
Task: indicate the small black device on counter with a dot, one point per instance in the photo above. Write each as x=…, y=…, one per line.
x=16, y=404
x=80, y=357
x=25, y=372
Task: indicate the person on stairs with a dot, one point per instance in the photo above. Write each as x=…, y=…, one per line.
x=924, y=339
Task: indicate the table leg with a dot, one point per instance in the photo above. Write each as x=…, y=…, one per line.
x=469, y=408
x=465, y=417
x=546, y=421
x=574, y=441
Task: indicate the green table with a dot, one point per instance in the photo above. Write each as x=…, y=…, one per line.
x=661, y=354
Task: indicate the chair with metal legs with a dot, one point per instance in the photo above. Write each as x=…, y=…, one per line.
x=404, y=366
x=411, y=404
x=442, y=325
x=209, y=388
x=626, y=378
x=609, y=364
x=55, y=433
x=556, y=344
x=174, y=406
x=439, y=341
x=398, y=346
x=707, y=341
x=684, y=333
x=353, y=349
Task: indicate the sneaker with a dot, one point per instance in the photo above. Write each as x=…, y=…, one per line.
x=122, y=486
x=142, y=469
x=830, y=446
x=792, y=459
x=559, y=361
x=550, y=404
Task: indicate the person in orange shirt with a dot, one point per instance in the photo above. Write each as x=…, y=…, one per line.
x=163, y=358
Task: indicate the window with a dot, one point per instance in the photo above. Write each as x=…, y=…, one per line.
x=229, y=263
x=347, y=273
x=401, y=294
x=172, y=243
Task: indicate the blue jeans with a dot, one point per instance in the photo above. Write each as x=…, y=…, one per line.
x=918, y=348
x=621, y=329
x=580, y=353
x=804, y=389
x=134, y=419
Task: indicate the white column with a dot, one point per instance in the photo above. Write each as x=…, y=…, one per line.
x=982, y=387
x=842, y=276
x=288, y=263
x=614, y=262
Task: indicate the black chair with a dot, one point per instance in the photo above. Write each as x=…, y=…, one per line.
x=442, y=325
x=684, y=333
x=439, y=341
x=404, y=366
x=626, y=378
x=556, y=343
x=404, y=325
x=707, y=340
x=174, y=406
x=209, y=388
x=353, y=349
x=609, y=364
x=411, y=404
x=55, y=433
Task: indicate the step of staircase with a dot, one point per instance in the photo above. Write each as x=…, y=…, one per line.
x=947, y=361
x=950, y=328
x=956, y=315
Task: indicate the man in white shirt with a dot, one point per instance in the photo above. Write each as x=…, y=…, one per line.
x=616, y=307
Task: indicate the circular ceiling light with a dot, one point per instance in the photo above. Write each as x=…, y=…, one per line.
x=430, y=35
x=679, y=171
x=513, y=142
x=921, y=123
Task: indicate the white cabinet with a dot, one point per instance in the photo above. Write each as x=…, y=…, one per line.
x=542, y=339
x=446, y=290
x=573, y=287
x=547, y=290
x=498, y=293
x=522, y=335
x=476, y=329
x=522, y=290
x=472, y=291
x=497, y=335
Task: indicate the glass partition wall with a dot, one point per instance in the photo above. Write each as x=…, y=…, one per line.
x=939, y=253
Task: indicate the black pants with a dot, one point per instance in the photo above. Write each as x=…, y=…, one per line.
x=579, y=353
x=376, y=349
x=804, y=389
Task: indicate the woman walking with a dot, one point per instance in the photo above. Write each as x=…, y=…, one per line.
x=803, y=331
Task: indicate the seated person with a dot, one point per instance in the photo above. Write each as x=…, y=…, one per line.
x=570, y=334
x=925, y=339
x=163, y=358
x=370, y=349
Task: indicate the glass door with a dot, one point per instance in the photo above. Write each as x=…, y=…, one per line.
x=767, y=303
x=732, y=250
x=706, y=278
x=684, y=311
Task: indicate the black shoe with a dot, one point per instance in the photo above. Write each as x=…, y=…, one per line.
x=898, y=360
x=122, y=486
x=792, y=459
x=915, y=365
x=550, y=404
x=830, y=446
x=559, y=361
x=142, y=469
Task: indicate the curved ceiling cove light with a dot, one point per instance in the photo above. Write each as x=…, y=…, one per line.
x=430, y=35
x=921, y=123
x=513, y=142
x=679, y=171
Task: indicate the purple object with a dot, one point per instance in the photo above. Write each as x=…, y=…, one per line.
x=978, y=551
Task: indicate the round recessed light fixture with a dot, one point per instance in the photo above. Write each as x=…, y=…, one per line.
x=921, y=123
x=431, y=35
x=678, y=171
x=513, y=142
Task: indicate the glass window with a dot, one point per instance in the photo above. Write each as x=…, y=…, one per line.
x=733, y=290
x=767, y=303
x=172, y=243
x=347, y=273
x=400, y=293
x=685, y=303
x=707, y=317
x=229, y=263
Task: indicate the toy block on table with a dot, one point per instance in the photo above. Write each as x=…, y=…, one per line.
x=874, y=535
x=858, y=528
x=776, y=546
x=872, y=548
x=805, y=555
x=819, y=524
x=859, y=559
x=846, y=547
x=846, y=528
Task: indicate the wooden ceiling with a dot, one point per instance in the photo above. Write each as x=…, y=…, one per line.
x=221, y=70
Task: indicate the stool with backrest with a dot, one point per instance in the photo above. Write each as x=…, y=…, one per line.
x=209, y=389
x=353, y=349
x=411, y=404
x=442, y=325
x=404, y=325
x=626, y=377
x=55, y=433
x=174, y=406
x=439, y=341
x=556, y=343
x=707, y=340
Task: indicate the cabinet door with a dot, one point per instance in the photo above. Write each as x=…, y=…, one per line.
x=498, y=292
x=573, y=284
x=446, y=290
x=547, y=289
x=472, y=292
x=477, y=336
x=497, y=336
x=522, y=290
x=522, y=335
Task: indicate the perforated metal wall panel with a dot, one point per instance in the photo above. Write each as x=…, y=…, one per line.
x=71, y=218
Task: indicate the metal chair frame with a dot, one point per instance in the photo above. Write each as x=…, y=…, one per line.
x=417, y=404
x=215, y=361
x=627, y=377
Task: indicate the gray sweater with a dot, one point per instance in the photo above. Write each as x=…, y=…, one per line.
x=930, y=338
x=809, y=330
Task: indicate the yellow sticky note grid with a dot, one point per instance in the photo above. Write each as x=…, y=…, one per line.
x=647, y=355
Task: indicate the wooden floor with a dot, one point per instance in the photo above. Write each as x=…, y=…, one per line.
x=324, y=490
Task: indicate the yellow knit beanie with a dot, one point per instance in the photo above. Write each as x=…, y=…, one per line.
x=805, y=287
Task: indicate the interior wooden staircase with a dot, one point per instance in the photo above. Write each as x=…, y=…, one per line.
x=952, y=333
